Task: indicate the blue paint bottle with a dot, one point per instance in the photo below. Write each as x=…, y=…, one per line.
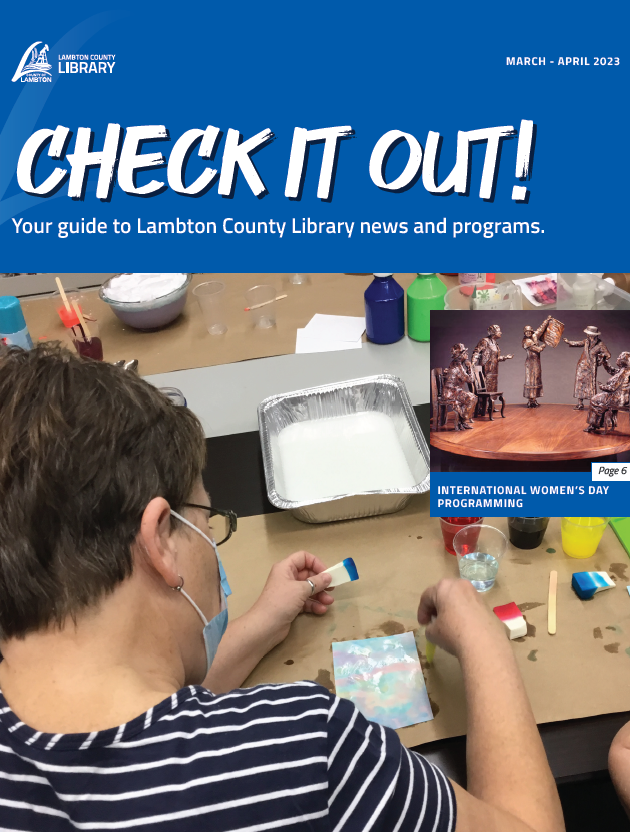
x=13, y=330
x=384, y=310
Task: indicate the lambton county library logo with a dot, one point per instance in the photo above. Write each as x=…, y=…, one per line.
x=34, y=66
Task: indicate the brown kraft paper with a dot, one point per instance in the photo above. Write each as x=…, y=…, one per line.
x=583, y=670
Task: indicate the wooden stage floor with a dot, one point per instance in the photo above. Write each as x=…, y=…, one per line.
x=551, y=432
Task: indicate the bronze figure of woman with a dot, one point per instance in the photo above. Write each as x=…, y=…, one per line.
x=487, y=353
x=458, y=373
x=594, y=354
x=602, y=412
x=533, y=346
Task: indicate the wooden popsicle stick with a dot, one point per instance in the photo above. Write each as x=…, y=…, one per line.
x=64, y=297
x=79, y=314
x=551, y=613
x=265, y=303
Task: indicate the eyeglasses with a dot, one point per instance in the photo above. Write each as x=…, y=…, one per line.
x=223, y=526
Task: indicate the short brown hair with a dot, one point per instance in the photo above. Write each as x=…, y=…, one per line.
x=84, y=447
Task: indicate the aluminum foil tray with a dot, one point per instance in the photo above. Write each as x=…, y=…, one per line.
x=383, y=393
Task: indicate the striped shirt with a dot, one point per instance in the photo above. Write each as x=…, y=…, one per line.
x=288, y=756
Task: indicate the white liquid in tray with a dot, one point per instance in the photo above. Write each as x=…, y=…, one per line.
x=342, y=455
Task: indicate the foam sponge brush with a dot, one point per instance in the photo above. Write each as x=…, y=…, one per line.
x=586, y=584
x=512, y=617
x=343, y=572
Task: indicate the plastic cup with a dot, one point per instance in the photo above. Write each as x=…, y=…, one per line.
x=527, y=532
x=87, y=346
x=210, y=298
x=450, y=527
x=461, y=297
x=263, y=317
x=68, y=316
x=581, y=535
x=479, y=549
x=299, y=279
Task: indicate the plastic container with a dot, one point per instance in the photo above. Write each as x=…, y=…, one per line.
x=485, y=297
x=470, y=279
x=210, y=298
x=384, y=310
x=584, y=291
x=87, y=347
x=263, y=317
x=581, y=290
x=581, y=535
x=175, y=395
x=527, y=532
x=451, y=525
x=426, y=293
x=13, y=329
x=479, y=550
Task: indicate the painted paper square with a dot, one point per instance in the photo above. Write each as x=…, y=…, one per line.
x=383, y=678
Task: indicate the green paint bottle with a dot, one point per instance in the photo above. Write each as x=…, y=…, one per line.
x=425, y=293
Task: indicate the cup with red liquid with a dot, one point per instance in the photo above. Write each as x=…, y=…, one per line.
x=86, y=343
x=451, y=525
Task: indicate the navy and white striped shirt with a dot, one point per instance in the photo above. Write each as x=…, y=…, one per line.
x=289, y=756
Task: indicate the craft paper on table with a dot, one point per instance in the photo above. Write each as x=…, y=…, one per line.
x=383, y=678
x=335, y=327
x=314, y=343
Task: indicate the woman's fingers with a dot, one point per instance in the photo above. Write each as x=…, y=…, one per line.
x=305, y=562
x=319, y=582
x=316, y=605
x=428, y=607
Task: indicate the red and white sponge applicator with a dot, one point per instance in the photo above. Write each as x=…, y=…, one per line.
x=512, y=617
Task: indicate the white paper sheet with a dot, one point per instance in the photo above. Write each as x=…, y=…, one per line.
x=336, y=327
x=307, y=343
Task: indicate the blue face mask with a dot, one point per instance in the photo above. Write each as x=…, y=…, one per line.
x=212, y=630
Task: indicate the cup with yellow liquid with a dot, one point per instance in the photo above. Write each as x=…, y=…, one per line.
x=581, y=535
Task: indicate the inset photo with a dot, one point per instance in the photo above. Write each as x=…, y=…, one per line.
x=515, y=390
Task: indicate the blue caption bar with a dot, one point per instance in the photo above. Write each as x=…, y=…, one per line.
x=527, y=495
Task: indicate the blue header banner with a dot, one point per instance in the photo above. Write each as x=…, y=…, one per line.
x=529, y=495
x=321, y=137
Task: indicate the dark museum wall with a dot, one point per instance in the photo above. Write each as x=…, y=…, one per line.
x=558, y=365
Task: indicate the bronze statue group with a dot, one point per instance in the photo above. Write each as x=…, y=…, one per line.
x=603, y=407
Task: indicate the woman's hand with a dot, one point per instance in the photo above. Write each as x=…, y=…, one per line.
x=287, y=593
x=454, y=615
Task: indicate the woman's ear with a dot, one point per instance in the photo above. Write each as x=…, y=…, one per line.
x=156, y=540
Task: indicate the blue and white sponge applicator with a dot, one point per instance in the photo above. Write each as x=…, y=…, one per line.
x=586, y=584
x=342, y=572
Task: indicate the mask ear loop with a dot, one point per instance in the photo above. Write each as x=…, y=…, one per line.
x=181, y=589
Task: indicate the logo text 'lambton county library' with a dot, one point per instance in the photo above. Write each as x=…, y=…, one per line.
x=37, y=69
x=73, y=64
x=34, y=66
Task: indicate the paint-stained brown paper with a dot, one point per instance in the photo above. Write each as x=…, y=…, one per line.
x=185, y=343
x=582, y=671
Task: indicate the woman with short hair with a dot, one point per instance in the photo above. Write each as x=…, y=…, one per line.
x=119, y=708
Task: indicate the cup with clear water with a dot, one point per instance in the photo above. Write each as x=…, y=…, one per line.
x=479, y=550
